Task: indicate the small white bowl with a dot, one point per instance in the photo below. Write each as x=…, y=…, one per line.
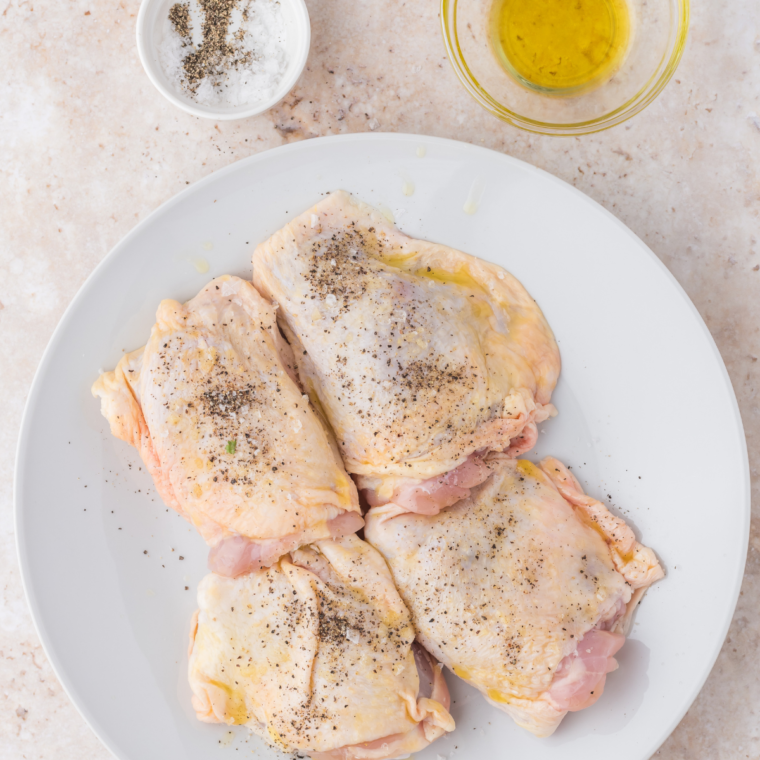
x=150, y=30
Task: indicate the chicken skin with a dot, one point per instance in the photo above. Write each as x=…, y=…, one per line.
x=315, y=654
x=524, y=589
x=423, y=359
x=230, y=439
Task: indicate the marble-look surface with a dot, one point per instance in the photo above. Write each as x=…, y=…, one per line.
x=89, y=148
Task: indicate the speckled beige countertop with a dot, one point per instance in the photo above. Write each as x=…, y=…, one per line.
x=89, y=148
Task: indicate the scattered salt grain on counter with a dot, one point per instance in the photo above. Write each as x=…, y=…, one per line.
x=225, y=52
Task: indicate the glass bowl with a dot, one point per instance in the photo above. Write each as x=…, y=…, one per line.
x=658, y=31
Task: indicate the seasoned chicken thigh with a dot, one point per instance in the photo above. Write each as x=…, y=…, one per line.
x=524, y=589
x=316, y=655
x=231, y=441
x=422, y=358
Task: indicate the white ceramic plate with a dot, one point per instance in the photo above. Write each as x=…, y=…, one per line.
x=647, y=416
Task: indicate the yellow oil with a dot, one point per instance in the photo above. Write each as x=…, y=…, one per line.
x=560, y=47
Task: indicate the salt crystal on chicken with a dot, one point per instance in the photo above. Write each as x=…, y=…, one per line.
x=230, y=287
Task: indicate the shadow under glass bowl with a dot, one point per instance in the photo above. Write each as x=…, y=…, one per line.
x=657, y=39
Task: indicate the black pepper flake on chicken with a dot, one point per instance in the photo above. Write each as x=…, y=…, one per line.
x=225, y=403
x=336, y=266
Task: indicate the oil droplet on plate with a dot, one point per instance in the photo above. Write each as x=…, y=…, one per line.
x=386, y=212
x=227, y=739
x=408, y=187
x=474, y=197
x=201, y=265
x=208, y=246
x=421, y=151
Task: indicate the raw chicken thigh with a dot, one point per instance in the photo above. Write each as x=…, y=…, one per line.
x=316, y=655
x=231, y=441
x=423, y=359
x=524, y=589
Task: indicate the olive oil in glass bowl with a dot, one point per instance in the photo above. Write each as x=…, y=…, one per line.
x=564, y=67
x=560, y=47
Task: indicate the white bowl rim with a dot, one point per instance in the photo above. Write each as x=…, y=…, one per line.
x=205, y=112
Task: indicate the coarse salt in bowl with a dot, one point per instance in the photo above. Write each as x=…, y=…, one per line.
x=271, y=41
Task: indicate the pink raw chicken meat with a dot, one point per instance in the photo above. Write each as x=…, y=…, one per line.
x=236, y=555
x=233, y=444
x=432, y=495
x=422, y=358
x=524, y=588
x=579, y=680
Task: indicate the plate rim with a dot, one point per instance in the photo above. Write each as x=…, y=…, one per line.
x=22, y=445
